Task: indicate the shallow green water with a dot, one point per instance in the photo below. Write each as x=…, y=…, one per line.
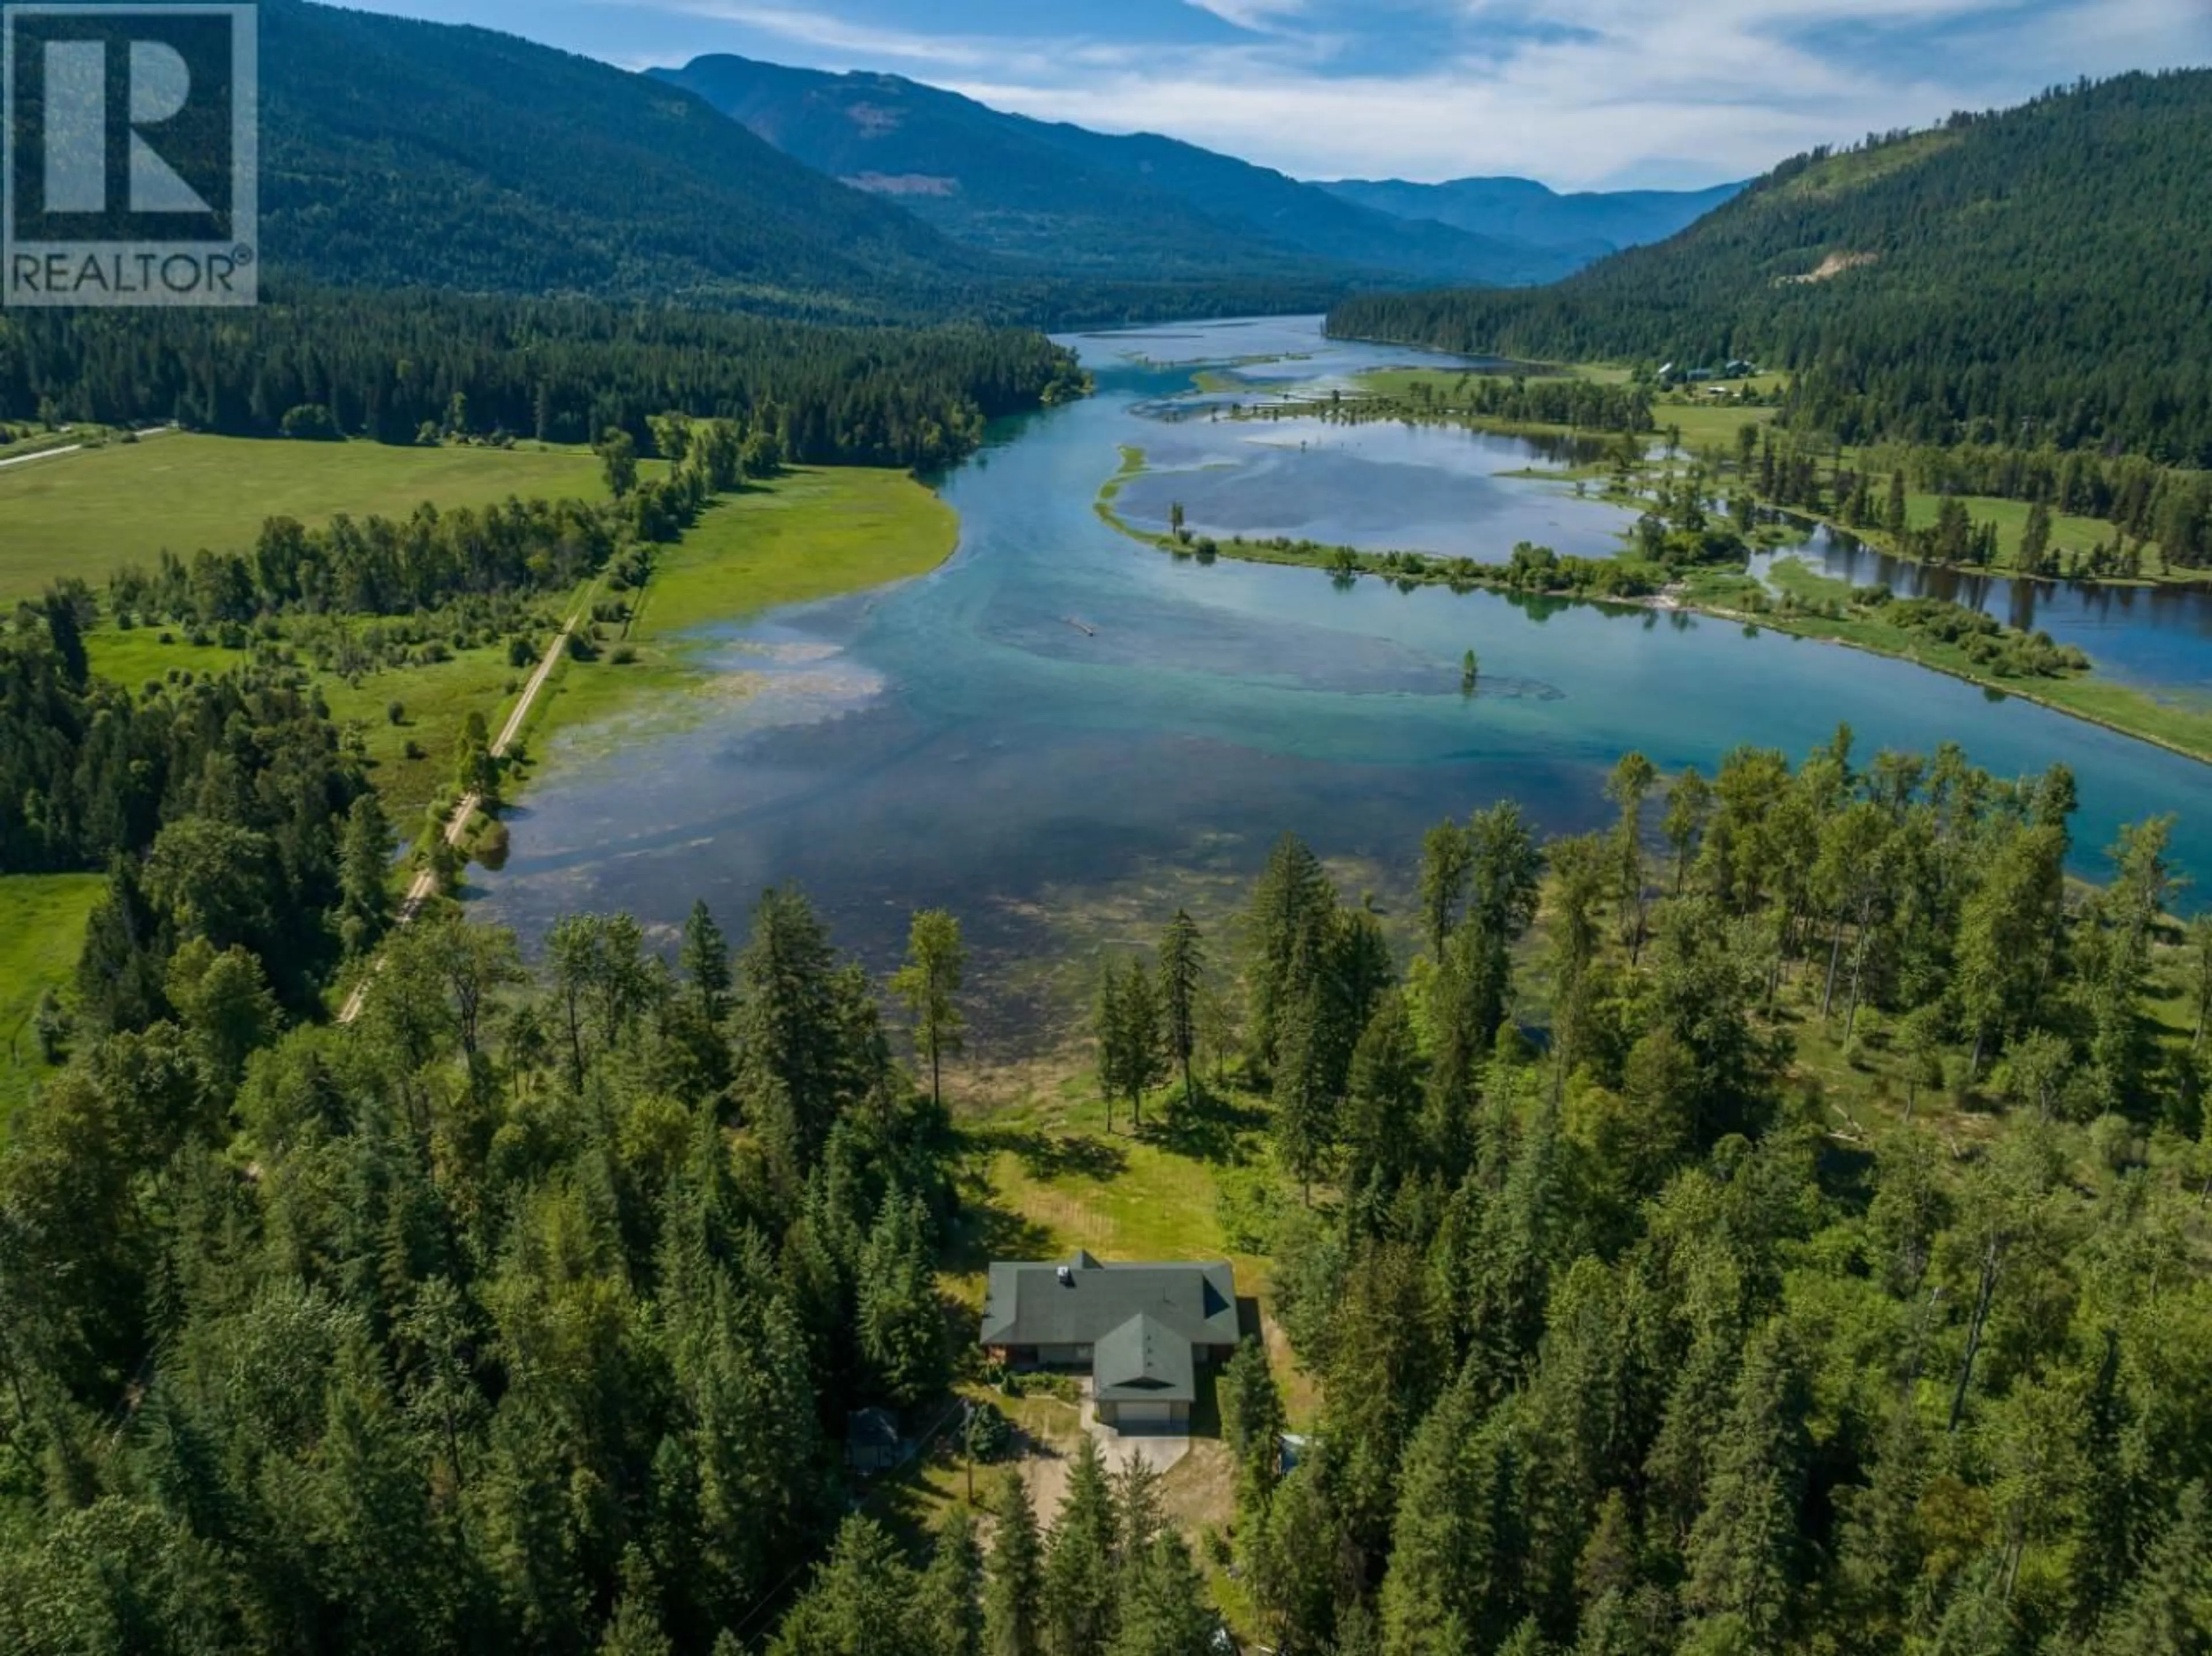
x=1061, y=718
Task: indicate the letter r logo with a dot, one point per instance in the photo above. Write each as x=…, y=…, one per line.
x=132, y=150
x=76, y=111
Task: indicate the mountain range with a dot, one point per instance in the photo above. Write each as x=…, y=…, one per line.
x=1584, y=226
x=2036, y=273
x=403, y=154
x=1139, y=204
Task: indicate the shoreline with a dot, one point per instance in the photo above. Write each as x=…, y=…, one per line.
x=815, y=533
x=569, y=693
x=1671, y=600
x=1596, y=372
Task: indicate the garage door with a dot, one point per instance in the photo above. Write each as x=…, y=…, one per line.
x=1145, y=1413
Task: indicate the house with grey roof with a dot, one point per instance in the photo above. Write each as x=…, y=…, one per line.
x=1145, y=1332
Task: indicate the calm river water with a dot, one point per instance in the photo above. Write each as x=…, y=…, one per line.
x=961, y=740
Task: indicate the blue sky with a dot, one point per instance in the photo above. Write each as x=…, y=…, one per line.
x=1581, y=93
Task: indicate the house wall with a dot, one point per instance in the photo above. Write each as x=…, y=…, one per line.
x=1064, y=1356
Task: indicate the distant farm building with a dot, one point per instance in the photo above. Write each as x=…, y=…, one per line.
x=1144, y=1331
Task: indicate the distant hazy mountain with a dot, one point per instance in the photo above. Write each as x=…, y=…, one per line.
x=1586, y=225
x=2040, y=272
x=1129, y=207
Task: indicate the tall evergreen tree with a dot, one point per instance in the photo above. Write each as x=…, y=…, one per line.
x=928, y=986
x=704, y=960
x=1078, y=1595
x=1182, y=976
x=1743, y=1552
x=1013, y=1592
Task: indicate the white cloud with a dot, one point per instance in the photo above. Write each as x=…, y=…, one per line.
x=1576, y=92
x=1583, y=92
x=859, y=42
x=1256, y=17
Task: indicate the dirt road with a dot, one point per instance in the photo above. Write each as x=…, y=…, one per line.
x=419, y=893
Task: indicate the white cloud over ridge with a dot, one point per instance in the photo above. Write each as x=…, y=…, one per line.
x=1579, y=93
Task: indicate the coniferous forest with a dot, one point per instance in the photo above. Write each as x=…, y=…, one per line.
x=2024, y=276
x=383, y=365
x=525, y=1312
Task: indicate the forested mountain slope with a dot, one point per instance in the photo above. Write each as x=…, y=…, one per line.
x=2039, y=272
x=1136, y=206
x=403, y=154
x=976, y=174
x=1587, y=223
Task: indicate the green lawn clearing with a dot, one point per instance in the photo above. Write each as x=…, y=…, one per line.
x=42, y=920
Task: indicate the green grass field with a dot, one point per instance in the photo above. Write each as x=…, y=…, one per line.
x=1708, y=424
x=42, y=918
x=87, y=514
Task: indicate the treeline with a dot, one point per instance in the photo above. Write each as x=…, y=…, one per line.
x=520, y=1316
x=2016, y=272
x=2162, y=518
x=390, y=366
x=2148, y=506
x=1520, y=399
x=377, y=566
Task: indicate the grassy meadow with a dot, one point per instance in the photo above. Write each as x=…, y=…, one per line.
x=42, y=920
x=87, y=514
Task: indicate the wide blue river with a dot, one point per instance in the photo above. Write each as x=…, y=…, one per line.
x=1061, y=723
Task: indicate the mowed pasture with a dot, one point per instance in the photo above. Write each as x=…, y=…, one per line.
x=90, y=513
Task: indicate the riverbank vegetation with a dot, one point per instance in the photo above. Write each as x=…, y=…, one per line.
x=809, y=533
x=2040, y=512
x=1773, y=1222
x=1687, y=550
x=1673, y=537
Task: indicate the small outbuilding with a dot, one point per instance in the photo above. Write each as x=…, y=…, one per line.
x=872, y=1442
